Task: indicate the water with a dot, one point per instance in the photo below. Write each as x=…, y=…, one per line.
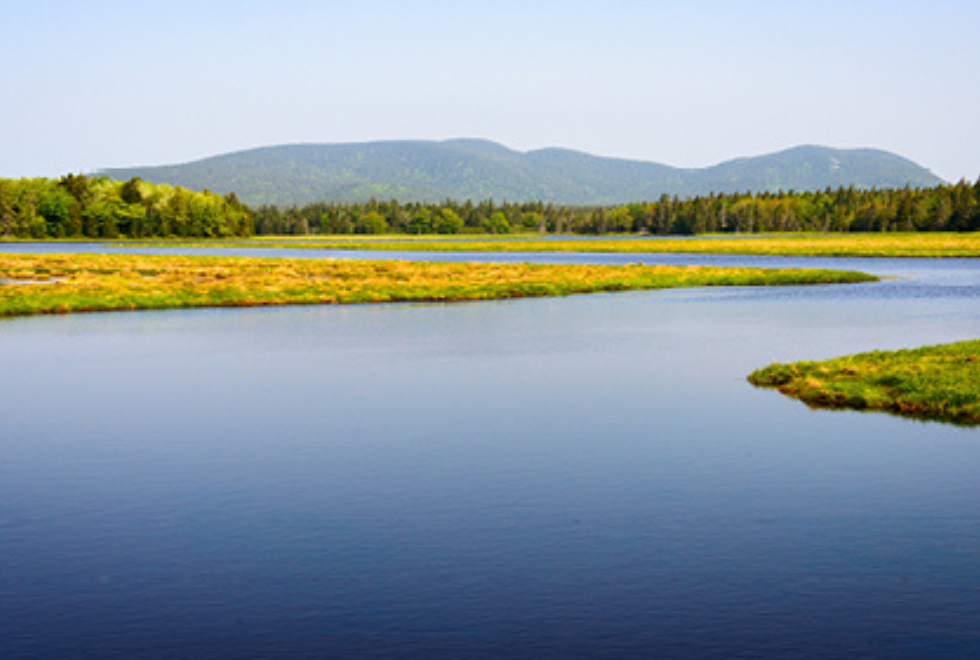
x=580, y=477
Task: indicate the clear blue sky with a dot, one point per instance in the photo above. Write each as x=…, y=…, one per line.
x=88, y=84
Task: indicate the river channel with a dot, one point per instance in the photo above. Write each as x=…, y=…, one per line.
x=589, y=476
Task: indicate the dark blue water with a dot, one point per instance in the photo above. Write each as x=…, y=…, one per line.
x=580, y=477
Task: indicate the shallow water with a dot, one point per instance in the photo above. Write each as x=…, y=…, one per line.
x=580, y=477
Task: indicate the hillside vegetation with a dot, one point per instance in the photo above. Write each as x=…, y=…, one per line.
x=479, y=170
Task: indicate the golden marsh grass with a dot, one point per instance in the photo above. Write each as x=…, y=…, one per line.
x=927, y=245
x=86, y=283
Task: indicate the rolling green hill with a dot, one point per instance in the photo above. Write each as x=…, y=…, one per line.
x=479, y=169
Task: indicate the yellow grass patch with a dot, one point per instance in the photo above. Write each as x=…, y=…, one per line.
x=114, y=282
x=826, y=245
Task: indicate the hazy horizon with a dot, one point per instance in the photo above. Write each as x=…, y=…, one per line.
x=687, y=84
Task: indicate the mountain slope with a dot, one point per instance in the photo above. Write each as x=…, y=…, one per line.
x=815, y=168
x=479, y=169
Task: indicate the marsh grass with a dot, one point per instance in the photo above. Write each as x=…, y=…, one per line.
x=799, y=245
x=934, y=382
x=87, y=282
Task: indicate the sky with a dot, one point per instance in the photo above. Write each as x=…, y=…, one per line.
x=92, y=84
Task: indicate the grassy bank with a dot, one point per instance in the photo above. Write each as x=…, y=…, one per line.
x=797, y=245
x=64, y=283
x=934, y=382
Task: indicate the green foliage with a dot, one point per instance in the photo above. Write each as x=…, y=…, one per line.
x=496, y=224
x=55, y=205
x=371, y=222
x=942, y=208
x=448, y=222
x=421, y=222
x=77, y=206
x=130, y=192
x=936, y=382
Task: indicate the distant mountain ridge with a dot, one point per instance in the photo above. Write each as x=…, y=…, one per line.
x=479, y=169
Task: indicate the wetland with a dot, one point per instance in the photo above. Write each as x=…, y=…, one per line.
x=581, y=476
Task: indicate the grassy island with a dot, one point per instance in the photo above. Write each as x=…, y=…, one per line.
x=65, y=283
x=934, y=382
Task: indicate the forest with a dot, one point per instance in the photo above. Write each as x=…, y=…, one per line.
x=77, y=206
x=941, y=208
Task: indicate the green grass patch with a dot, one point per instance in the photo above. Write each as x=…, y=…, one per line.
x=64, y=283
x=934, y=382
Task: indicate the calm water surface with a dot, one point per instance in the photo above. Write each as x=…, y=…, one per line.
x=579, y=477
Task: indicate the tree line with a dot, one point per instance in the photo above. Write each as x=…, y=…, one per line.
x=953, y=207
x=77, y=206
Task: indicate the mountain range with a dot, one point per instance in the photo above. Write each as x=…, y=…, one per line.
x=479, y=169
